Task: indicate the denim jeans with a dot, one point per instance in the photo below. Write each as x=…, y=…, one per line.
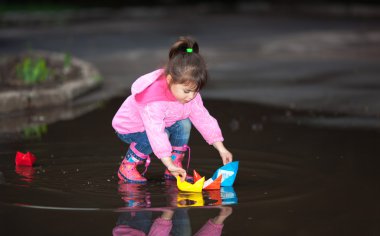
x=178, y=133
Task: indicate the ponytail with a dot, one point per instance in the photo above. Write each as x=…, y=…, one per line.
x=181, y=46
x=185, y=64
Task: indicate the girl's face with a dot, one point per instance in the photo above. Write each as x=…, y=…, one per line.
x=184, y=93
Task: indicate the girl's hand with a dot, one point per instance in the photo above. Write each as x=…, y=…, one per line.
x=223, y=152
x=174, y=170
x=226, y=156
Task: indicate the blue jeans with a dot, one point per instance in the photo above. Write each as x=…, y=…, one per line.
x=178, y=133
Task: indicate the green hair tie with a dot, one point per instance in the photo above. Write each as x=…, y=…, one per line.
x=189, y=50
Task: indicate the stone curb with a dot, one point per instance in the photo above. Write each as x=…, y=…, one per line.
x=44, y=97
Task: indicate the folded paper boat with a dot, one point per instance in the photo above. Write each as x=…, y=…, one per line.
x=27, y=159
x=228, y=173
x=196, y=176
x=211, y=184
x=188, y=187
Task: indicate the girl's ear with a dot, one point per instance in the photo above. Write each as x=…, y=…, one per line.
x=169, y=78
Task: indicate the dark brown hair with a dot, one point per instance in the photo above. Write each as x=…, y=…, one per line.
x=186, y=67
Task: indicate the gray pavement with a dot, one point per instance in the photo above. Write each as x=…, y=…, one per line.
x=328, y=64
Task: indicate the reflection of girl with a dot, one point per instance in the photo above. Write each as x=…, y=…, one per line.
x=157, y=117
x=163, y=226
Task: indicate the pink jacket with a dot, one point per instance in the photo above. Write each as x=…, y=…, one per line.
x=153, y=117
x=163, y=227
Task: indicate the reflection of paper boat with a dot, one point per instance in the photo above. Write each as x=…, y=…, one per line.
x=189, y=199
x=26, y=159
x=215, y=195
x=25, y=171
x=228, y=172
x=211, y=184
x=228, y=196
x=188, y=187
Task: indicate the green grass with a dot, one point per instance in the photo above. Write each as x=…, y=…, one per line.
x=35, y=131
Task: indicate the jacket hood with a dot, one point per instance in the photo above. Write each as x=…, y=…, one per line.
x=144, y=81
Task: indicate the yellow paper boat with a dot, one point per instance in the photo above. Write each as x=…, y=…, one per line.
x=188, y=187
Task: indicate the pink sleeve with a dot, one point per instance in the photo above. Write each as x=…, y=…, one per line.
x=210, y=229
x=160, y=227
x=152, y=115
x=204, y=122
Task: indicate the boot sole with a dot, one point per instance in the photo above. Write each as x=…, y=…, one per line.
x=125, y=179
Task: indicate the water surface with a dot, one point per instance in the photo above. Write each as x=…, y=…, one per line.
x=301, y=173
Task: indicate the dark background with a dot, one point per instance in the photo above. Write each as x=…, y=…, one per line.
x=119, y=3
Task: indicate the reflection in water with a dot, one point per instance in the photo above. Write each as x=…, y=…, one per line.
x=138, y=196
x=2, y=181
x=33, y=124
x=26, y=172
x=134, y=195
x=186, y=199
x=174, y=219
x=169, y=222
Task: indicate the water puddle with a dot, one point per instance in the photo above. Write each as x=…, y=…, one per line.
x=296, y=175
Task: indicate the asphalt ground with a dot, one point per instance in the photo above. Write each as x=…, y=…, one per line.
x=300, y=62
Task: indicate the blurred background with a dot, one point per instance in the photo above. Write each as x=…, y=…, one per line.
x=316, y=55
x=294, y=85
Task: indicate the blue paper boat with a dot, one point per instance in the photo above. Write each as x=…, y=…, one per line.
x=228, y=172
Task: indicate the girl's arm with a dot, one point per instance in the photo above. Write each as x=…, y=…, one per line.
x=209, y=128
x=207, y=125
x=223, y=152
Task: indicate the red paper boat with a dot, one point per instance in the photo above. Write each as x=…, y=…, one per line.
x=27, y=159
x=214, y=184
x=196, y=176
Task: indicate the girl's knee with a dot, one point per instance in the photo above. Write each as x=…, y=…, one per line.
x=143, y=148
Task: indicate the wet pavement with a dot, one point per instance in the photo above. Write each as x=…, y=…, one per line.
x=302, y=121
x=301, y=62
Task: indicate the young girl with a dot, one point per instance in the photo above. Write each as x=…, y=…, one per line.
x=158, y=115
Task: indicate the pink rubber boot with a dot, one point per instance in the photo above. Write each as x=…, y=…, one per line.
x=177, y=160
x=128, y=169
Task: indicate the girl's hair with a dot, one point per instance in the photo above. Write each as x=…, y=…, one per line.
x=186, y=65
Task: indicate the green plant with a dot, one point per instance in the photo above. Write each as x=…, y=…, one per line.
x=35, y=131
x=32, y=71
x=67, y=61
